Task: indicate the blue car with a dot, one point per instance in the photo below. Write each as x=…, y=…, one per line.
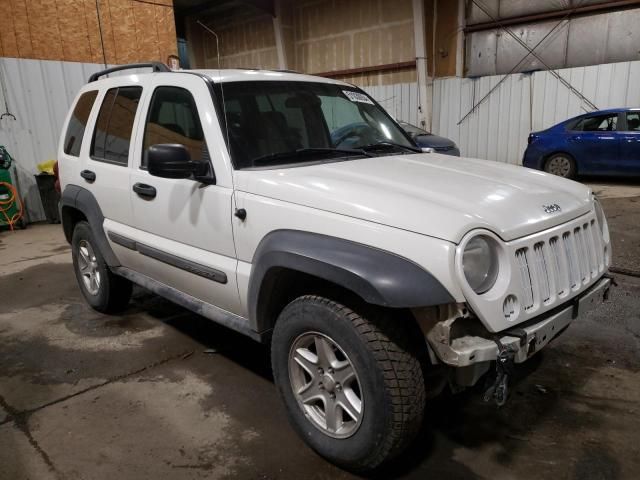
x=426, y=139
x=597, y=143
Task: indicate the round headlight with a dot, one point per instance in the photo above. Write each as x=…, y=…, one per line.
x=480, y=263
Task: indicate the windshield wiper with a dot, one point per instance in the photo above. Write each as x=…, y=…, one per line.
x=265, y=159
x=388, y=145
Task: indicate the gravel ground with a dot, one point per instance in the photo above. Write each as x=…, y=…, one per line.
x=161, y=393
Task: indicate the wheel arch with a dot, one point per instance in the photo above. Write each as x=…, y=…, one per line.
x=79, y=204
x=288, y=263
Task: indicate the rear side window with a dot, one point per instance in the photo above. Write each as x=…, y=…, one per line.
x=598, y=123
x=173, y=118
x=78, y=123
x=112, y=136
x=633, y=121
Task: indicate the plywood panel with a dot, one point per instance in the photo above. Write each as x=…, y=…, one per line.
x=124, y=31
x=22, y=28
x=166, y=31
x=147, y=44
x=93, y=32
x=73, y=31
x=69, y=30
x=43, y=25
x=8, y=42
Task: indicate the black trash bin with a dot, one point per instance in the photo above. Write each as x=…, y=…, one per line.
x=49, y=197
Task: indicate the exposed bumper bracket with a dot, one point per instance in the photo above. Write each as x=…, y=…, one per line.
x=463, y=349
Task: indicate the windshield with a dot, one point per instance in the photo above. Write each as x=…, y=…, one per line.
x=275, y=123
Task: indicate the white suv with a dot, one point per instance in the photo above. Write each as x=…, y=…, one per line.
x=295, y=210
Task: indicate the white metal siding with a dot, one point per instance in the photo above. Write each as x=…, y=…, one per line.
x=498, y=129
x=400, y=100
x=39, y=95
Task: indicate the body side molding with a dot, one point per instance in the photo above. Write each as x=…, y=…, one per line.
x=169, y=259
x=182, y=264
x=379, y=277
x=122, y=241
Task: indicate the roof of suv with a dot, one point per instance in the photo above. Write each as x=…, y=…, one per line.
x=216, y=75
x=239, y=75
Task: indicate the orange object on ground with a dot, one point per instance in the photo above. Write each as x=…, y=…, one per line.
x=7, y=204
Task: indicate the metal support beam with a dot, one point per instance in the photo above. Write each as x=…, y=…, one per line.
x=277, y=30
x=369, y=69
x=424, y=104
x=460, y=38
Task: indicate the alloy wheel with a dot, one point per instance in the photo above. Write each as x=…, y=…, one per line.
x=88, y=266
x=326, y=385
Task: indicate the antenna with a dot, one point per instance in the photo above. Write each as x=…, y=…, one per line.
x=224, y=106
x=215, y=35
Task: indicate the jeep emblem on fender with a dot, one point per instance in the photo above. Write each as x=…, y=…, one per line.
x=553, y=208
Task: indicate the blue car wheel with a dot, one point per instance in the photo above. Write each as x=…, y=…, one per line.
x=561, y=164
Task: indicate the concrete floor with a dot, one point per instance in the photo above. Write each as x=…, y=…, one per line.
x=161, y=393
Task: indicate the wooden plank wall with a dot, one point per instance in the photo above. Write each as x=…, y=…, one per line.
x=132, y=31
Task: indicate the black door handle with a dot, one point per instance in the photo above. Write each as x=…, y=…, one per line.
x=88, y=175
x=144, y=190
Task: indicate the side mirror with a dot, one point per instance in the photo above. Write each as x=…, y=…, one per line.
x=172, y=160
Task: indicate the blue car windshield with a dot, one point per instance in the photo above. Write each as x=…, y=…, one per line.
x=279, y=122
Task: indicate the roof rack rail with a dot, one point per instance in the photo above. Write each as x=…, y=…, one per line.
x=155, y=66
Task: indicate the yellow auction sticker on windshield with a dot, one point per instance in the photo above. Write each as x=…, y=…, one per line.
x=357, y=97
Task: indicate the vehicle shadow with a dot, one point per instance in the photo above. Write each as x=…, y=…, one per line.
x=213, y=338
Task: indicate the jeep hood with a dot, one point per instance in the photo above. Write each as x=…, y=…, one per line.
x=430, y=194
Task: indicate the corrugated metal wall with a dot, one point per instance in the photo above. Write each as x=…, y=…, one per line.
x=39, y=94
x=498, y=129
x=400, y=100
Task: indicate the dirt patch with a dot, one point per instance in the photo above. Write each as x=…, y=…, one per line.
x=623, y=216
x=38, y=285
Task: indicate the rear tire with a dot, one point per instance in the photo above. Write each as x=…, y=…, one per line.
x=385, y=381
x=101, y=288
x=562, y=165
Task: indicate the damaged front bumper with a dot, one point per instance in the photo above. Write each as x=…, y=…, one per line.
x=463, y=343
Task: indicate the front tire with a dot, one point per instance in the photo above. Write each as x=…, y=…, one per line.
x=352, y=386
x=562, y=165
x=101, y=288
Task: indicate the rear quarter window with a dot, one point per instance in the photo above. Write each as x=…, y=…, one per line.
x=78, y=123
x=575, y=124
